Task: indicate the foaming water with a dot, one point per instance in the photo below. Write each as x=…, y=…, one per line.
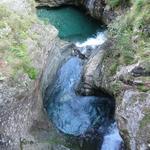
x=76, y=115
x=112, y=139
x=90, y=4
x=71, y=113
x=99, y=39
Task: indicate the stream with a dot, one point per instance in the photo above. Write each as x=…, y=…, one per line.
x=85, y=117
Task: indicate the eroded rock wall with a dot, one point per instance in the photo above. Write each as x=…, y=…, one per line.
x=114, y=69
x=22, y=117
x=132, y=102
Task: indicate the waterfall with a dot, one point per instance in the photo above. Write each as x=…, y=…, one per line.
x=90, y=5
x=79, y=115
x=92, y=42
x=90, y=119
x=112, y=140
x=99, y=39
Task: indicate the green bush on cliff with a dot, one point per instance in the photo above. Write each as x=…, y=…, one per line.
x=130, y=33
x=13, y=33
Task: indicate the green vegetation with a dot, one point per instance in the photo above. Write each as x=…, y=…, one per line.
x=129, y=43
x=113, y=3
x=13, y=33
x=117, y=88
x=130, y=33
x=145, y=121
x=113, y=69
x=143, y=88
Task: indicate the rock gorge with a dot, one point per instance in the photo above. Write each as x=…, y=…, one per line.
x=96, y=8
x=23, y=121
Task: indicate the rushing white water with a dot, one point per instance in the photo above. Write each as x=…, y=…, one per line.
x=99, y=39
x=90, y=5
x=74, y=114
x=92, y=43
x=112, y=140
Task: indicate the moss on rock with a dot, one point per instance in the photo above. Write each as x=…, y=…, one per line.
x=129, y=32
x=145, y=121
x=13, y=33
x=113, y=3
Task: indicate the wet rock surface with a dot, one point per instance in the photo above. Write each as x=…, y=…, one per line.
x=72, y=114
x=88, y=118
x=75, y=114
x=131, y=87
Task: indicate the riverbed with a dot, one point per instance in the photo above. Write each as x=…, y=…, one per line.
x=88, y=117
